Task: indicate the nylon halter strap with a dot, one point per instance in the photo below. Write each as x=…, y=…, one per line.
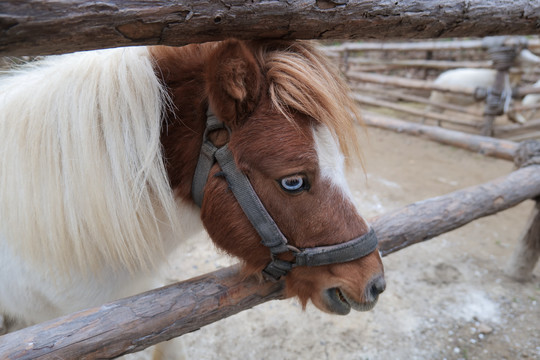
x=271, y=235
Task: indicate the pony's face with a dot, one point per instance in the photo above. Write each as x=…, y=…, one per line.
x=297, y=169
x=297, y=172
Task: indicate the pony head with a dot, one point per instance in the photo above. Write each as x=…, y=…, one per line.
x=291, y=133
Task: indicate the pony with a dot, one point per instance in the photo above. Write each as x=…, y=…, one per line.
x=98, y=153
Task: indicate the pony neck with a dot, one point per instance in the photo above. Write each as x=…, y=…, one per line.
x=182, y=72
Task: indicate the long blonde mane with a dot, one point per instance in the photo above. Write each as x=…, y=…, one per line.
x=303, y=79
x=82, y=181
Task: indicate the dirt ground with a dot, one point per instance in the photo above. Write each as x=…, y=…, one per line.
x=447, y=298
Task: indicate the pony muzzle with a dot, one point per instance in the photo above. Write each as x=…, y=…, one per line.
x=338, y=301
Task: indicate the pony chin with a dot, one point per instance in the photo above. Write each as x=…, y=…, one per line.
x=336, y=289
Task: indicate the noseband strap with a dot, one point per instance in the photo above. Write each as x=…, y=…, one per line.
x=271, y=235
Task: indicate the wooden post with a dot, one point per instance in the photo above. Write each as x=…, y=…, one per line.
x=494, y=101
x=502, y=54
x=527, y=252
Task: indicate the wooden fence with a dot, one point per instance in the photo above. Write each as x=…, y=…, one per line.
x=47, y=27
x=371, y=69
x=132, y=324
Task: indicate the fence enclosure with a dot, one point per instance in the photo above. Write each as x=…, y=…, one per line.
x=135, y=323
x=402, y=77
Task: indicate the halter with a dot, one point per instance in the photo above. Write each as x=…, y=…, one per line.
x=271, y=235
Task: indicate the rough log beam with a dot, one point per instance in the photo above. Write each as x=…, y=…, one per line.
x=409, y=110
x=419, y=46
x=526, y=90
x=395, y=95
x=35, y=27
x=526, y=254
x=430, y=64
x=510, y=128
x=135, y=323
x=498, y=148
x=408, y=83
x=426, y=219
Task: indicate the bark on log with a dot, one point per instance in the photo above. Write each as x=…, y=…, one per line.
x=143, y=320
x=34, y=27
x=498, y=148
x=527, y=252
x=135, y=323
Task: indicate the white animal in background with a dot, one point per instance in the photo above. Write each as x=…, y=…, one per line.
x=465, y=77
x=529, y=100
x=478, y=77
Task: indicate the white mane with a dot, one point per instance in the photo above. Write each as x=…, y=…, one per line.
x=82, y=180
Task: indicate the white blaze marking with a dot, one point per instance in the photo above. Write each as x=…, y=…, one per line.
x=331, y=160
x=332, y=163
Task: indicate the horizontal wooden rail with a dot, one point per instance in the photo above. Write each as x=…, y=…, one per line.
x=35, y=27
x=419, y=45
x=498, y=148
x=526, y=90
x=135, y=323
x=397, y=94
x=427, y=219
x=430, y=64
x=417, y=112
x=408, y=83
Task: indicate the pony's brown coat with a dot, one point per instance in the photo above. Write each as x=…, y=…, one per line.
x=271, y=118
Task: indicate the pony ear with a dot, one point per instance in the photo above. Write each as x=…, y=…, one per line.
x=233, y=82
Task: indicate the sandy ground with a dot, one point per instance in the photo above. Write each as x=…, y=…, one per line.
x=447, y=298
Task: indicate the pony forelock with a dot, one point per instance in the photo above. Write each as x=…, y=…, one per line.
x=301, y=78
x=82, y=179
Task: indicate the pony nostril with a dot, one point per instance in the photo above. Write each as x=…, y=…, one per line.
x=377, y=286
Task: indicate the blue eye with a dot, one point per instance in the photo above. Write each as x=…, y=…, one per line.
x=294, y=184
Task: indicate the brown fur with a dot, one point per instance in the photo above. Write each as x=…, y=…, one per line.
x=254, y=88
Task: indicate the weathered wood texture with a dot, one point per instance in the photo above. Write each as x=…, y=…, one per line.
x=143, y=320
x=526, y=254
x=502, y=149
x=137, y=322
x=35, y=27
